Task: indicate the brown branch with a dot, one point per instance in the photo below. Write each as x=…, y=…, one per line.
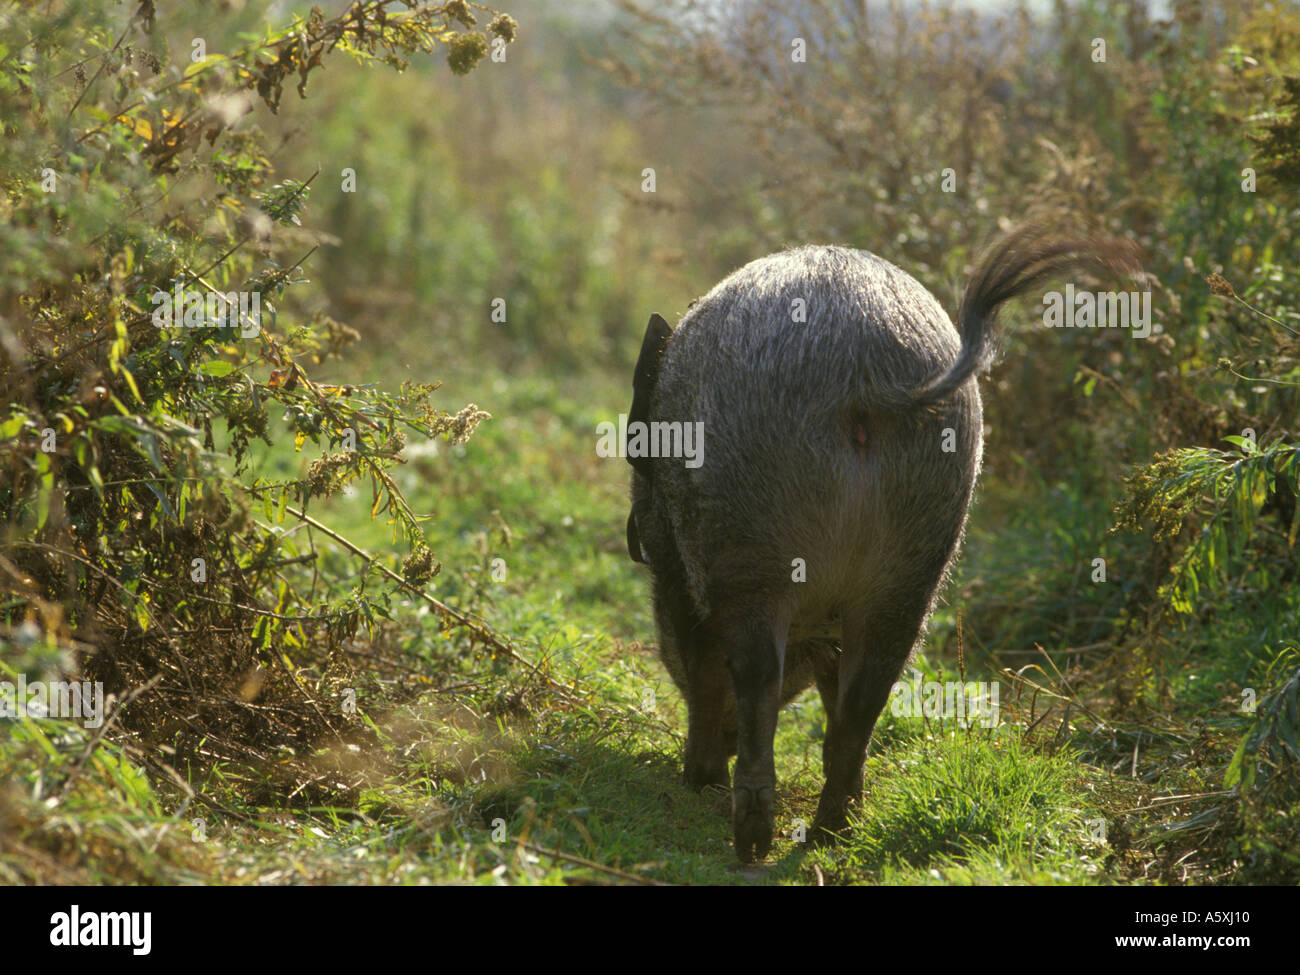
x=479, y=629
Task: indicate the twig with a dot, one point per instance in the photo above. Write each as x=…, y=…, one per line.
x=593, y=865
x=91, y=745
x=474, y=626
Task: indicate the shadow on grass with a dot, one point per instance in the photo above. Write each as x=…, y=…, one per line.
x=628, y=810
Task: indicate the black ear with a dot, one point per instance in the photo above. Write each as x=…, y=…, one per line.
x=633, y=538
x=644, y=378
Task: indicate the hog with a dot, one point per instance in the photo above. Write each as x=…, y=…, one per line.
x=805, y=536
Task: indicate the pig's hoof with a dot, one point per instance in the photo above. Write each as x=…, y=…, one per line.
x=751, y=811
x=828, y=828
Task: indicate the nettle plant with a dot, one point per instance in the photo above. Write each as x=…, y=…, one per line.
x=146, y=247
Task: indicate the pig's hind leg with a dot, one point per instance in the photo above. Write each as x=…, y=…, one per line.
x=753, y=638
x=878, y=639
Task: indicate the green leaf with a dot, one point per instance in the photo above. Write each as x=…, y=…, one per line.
x=1233, y=775
x=162, y=500
x=217, y=368
x=13, y=426
x=1247, y=445
x=45, y=492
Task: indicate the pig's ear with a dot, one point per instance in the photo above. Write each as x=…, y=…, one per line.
x=644, y=378
x=633, y=538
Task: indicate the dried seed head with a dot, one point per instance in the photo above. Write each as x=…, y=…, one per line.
x=1219, y=285
x=504, y=27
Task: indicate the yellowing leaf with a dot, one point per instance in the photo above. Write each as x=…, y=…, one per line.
x=130, y=381
x=142, y=611
x=137, y=125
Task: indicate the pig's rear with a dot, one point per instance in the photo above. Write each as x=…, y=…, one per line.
x=813, y=484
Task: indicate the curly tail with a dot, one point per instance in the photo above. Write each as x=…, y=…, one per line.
x=1017, y=263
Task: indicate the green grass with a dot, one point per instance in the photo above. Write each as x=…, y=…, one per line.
x=487, y=775
x=945, y=808
x=599, y=783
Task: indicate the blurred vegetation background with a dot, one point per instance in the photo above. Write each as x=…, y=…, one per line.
x=382, y=215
